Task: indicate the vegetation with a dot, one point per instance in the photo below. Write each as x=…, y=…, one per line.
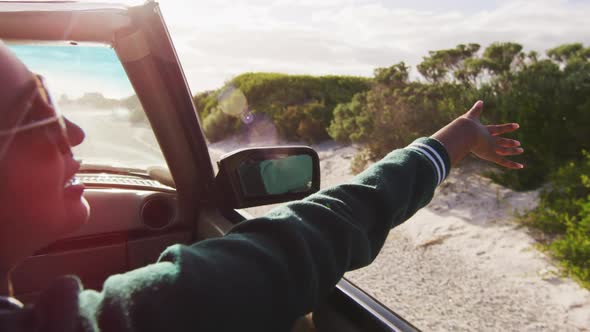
x=549, y=96
x=563, y=217
x=396, y=111
x=300, y=106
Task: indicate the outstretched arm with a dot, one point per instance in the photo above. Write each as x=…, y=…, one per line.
x=270, y=270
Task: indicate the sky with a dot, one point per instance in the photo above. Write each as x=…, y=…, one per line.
x=76, y=70
x=217, y=40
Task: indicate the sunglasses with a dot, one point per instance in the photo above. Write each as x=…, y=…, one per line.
x=36, y=110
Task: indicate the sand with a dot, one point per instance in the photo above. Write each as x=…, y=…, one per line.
x=462, y=263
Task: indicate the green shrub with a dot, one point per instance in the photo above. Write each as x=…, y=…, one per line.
x=352, y=122
x=574, y=247
x=266, y=91
x=552, y=105
x=288, y=121
x=563, y=215
x=313, y=126
x=311, y=131
x=392, y=116
x=218, y=125
x=301, y=106
x=562, y=200
x=307, y=122
x=205, y=102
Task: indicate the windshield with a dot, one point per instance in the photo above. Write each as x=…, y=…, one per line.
x=91, y=88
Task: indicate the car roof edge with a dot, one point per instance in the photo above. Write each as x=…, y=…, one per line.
x=62, y=21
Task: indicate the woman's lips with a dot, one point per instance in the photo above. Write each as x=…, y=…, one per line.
x=74, y=188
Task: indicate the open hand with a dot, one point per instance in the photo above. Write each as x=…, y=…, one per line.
x=488, y=144
x=467, y=134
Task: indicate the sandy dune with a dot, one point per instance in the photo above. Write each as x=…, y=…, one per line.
x=462, y=263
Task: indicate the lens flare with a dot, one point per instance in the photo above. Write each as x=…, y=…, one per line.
x=248, y=117
x=261, y=130
x=232, y=101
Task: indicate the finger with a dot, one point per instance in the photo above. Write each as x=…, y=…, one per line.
x=509, y=151
x=508, y=163
x=506, y=142
x=496, y=130
x=475, y=110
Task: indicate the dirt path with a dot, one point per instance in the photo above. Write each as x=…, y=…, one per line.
x=462, y=263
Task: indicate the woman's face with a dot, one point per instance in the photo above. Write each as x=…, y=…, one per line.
x=38, y=201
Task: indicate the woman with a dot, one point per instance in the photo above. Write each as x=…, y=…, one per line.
x=36, y=166
x=261, y=277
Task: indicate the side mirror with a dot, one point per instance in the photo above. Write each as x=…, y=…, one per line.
x=261, y=176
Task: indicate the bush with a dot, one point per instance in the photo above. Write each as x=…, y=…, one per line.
x=389, y=117
x=313, y=126
x=205, y=103
x=306, y=100
x=307, y=122
x=574, y=247
x=219, y=125
x=563, y=215
x=552, y=106
x=266, y=91
x=352, y=122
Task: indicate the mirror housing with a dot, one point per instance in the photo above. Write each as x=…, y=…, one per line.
x=260, y=176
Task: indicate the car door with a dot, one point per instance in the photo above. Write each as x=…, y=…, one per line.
x=139, y=208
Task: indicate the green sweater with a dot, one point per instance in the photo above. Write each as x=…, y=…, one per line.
x=266, y=272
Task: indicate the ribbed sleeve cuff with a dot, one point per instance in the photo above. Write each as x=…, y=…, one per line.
x=435, y=153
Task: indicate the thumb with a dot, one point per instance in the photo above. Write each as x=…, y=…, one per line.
x=476, y=110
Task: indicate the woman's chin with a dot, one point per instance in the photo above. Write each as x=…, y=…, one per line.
x=77, y=214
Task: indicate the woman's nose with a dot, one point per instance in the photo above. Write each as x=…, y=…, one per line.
x=75, y=133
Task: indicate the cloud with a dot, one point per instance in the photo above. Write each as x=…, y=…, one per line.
x=221, y=39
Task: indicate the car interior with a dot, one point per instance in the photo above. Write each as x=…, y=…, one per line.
x=138, y=212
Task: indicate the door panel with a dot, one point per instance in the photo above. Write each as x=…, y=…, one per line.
x=146, y=250
x=92, y=265
x=119, y=236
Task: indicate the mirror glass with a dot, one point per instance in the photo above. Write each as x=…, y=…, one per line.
x=277, y=174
